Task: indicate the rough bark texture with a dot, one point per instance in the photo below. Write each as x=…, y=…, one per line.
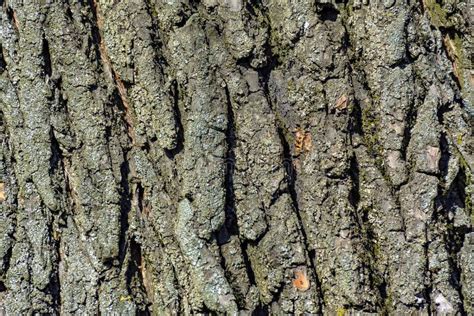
x=269, y=157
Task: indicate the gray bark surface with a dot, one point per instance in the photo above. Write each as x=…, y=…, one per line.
x=236, y=157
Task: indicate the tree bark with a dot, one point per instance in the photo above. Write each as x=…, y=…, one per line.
x=229, y=156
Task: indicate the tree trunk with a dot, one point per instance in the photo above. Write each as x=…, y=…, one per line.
x=222, y=156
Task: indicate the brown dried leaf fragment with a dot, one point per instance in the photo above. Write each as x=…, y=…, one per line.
x=307, y=142
x=303, y=141
x=2, y=192
x=301, y=282
x=341, y=103
x=15, y=21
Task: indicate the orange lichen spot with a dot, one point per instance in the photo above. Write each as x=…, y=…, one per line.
x=2, y=192
x=301, y=281
x=303, y=141
x=341, y=103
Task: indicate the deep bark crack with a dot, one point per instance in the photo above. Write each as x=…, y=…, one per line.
x=121, y=88
x=231, y=224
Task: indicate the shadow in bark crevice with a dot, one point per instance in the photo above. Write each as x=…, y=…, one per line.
x=3, y=63
x=47, y=67
x=365, y=231
x=410, y=120
x=443, y=163
x=452, y=201
x=231, y=218
x=11, y=16
x=179, y=146
x=354, y=193
x=135, y=269
x=327, y=12
x=231, y=223
x=261, y=310
x=57, y=165
x=428, y=288
x=125, y=207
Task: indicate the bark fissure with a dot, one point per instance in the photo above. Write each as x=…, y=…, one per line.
x=125, y=208
x=179, y=146
x=47, y=59
x=410, y=122
x=107, y=63
x=229, y=203
x=56, y=164
x=231, y=222
x=428, y=289
x=452, y=199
